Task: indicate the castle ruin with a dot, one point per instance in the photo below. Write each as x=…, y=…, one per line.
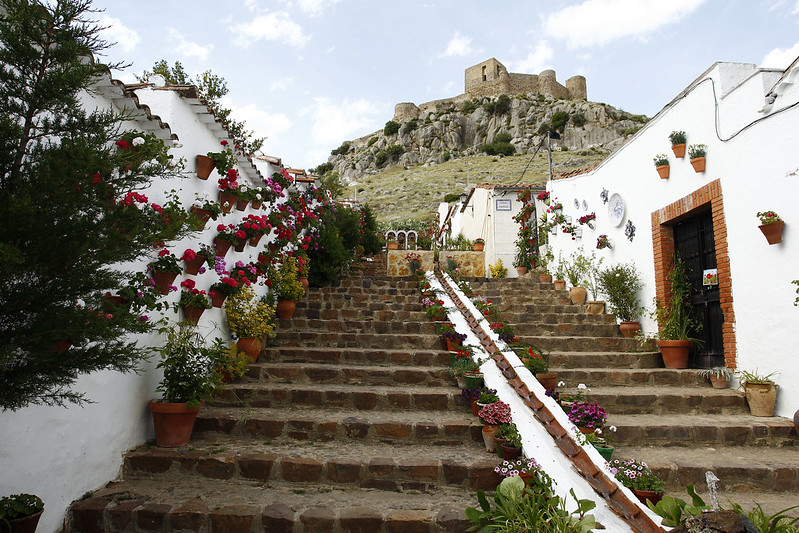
x=491, y=78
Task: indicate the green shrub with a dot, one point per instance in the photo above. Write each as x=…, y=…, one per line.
x=446, y=156
x=578, y=119
x=503, y=137
x=380, y=158
x=452, y=197
x=372, y=141
x=621, y=283
x=395, y=151
x=544, y=128
x=410, y=126
x=322, y=169
x=468, y=107
x=500, y=145
x=341, y=150
x=559, y=120
x=391, y=128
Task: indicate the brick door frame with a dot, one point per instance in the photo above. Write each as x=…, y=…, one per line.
x=663, y=221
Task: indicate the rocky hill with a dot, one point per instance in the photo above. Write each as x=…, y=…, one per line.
x=394, y=167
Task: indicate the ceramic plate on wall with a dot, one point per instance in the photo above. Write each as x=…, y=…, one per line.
x=616, y=209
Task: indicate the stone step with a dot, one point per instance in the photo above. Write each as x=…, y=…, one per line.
x=350, y=374
x=654, y=400
x=413, y=401
x=523, y=308
x=573, y=360
x=531, y=317
x=336, y=310
x=624, y=377
x=581, y=344
x=448, y=428
x=358, y=340
x=560, y=329
x=298, y=325
x=689, y=430
x=740, y=469
x=394, y=468
x=191, y=503
x=384, y=356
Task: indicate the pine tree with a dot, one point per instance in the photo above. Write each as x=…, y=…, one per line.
x=71, y=209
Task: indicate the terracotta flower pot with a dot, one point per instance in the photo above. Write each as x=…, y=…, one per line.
x=193, y=314
x=452, y=346
x=478, y=246
x=489, y=437
x=560, y=284
x=392, y=246
x=761, y=397
x=605, y=451
x=255, y=240
x=595, y=308
x=227, y=201
x=548, y=380
x=521, y=271
x=193, y=266
x=663, y=171
x=679, y=150
x=675, y=353
x=304, y=282
x=773, y=231
x=163, y=280
x=630, y=329
x=699, y=164
x=202, y=214
x=545, y=278
x=286, y=308
x=644, y=495
x=217, y=299
x=173, y=423
x=578, y=295
x=510, y=453
x=256, y=204
x=205, y=165
x=239, y=244
x=718, y=383
x=25, y=524
x=222, y=246
x=250, y=346
x=241, y=203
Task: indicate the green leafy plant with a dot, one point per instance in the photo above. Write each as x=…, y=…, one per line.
x=635, y=475
x=719, y=372
x=391, y=128
x=779, y=522
x=677, y=137
x=285, y=282
x=675, y=319
x=190, y=296
x=621, y=284
x=498, y=270
x=660, y=160
x=674, y=511
x=19, y=506
x=224, y=160
x=510, y=434
x=461, y=366
x=697, y=150
x=248, y=316
x=768, y=217
x=756, y=377
x=231, y=364
x=487, y=397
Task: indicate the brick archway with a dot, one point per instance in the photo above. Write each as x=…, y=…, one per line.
x=663, y=221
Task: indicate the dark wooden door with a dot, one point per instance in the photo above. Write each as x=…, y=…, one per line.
x=694, y=241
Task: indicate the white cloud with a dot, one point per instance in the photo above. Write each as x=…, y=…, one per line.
x=261, y=123
x=458, y=46
x=251, y=5
x=282, y=84
x=598, y=22
x=118, y=33
x=780, y=57
x=314, y=8
x=333, y=121
x=795, y=9
x=276, y=26
x=537, y=59
x=187, y=48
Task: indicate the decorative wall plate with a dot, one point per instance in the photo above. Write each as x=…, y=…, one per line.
x=616, y=209
x=576, y=203
x=604, y=196
x=585, y=205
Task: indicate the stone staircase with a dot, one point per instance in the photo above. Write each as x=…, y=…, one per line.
x=349, y=421
x=672, y=419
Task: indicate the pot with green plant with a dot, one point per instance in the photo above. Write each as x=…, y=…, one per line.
x=193, y=301
x=460, y=367
x=493, y=416
x=719, y=376
x=638, y=477
x=678, y=139
x=451, y=340
x=478, y=245
x=190, y=376
x=697, y=153
x=232, y=364
x=20, y=513
x=535, y=361
x=164, y=270
x=576, y=270
x=771, y=225
x=560, y=274
x=674, y=319
x=250, y=319
x=662, y=165
x=510, y=441
x=286, y=286
x=542, y=267
x=760, y=391
x=621, y=284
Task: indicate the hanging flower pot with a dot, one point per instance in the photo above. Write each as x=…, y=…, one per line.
x=193, y=265
x=163, y=280
x=193, y=313
x=202, y=214
x=240, y=244
x=222, y=246
x=663, y=171
x=256, y=204
x=227, y=201
x=217, y=299
x=679, y=150
x=285, y=309
x=205, y=165
x=699, y=164
x=255, y=239
x=173, y=423
x=773, y=231
x=250, y=346
x=241, y=203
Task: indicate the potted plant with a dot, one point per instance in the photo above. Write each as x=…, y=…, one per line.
x=697, y=154
x=544, y=260
x=603, y=242
x=250, y=319
x=576, y=270
x=164, y=270
x=203, y=209
x=505, y=331
x=601, y=441
x=225, y=237
x=675, y=322
x=189, y=367
x=222, y=289
x=450, y=338
x=473, y=394
x=529, y=470
x=193, y=301
x=391, y=243
x=460, y=368
x=232, y=364
x=621, y=283
x=587, y=416
x=771, y=225
x=510, y=441
x=493, y=416
x=719, y=376
x=434, y=308
x=678, y=139
x=521, y=262
x=223, y=160
x=228, y=185
x=536, y=363
x=638, y=477
x=662, y=165
x=286, y=286
x=478, y=245
x=20, y=513
x=560, y=274
x=761, y=392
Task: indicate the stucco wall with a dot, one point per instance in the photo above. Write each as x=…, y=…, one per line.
x=60, y=453
x=754, y=158
x=471, y=263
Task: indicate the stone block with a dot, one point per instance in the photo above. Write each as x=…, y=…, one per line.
x=343, y=471
x=277, y=518
x=151, y=517
x=408, y=521
x=318, y=520
x=87, y=515
x=382, y=466
x=216, y=468
x=420, y=469
x=257, y=466
x=301, y=469
x=190, y=515
x=120, y=516
x=360, y=520
x=393, y=429
x=234, y=518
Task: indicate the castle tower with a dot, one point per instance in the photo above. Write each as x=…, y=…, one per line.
x=577, y=88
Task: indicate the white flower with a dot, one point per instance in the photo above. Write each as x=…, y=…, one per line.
x=137, y=141
x=177, y=144
x=561, y=383
x=612, y=428
x=582, y=386
x=258, y=196
x=598, y=431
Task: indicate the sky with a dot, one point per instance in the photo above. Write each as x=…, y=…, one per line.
x=310, y=74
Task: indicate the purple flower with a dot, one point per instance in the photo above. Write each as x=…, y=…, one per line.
x=144, y=318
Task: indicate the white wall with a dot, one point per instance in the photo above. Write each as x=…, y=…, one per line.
x=60, y=453
x=755, y=158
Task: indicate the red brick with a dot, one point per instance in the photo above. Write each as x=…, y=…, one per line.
x=318, y=520
x=234, y=518
x=343, y=471
x=382, y=466
x=420, y=469
x=277, y=518
x=87, y=515
x=216, y=468
x=360, y=520
x=257, y=466
x=393, y=429
x=301, y=469
x=408, y=521
x=120, y=516
x=189, y=515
